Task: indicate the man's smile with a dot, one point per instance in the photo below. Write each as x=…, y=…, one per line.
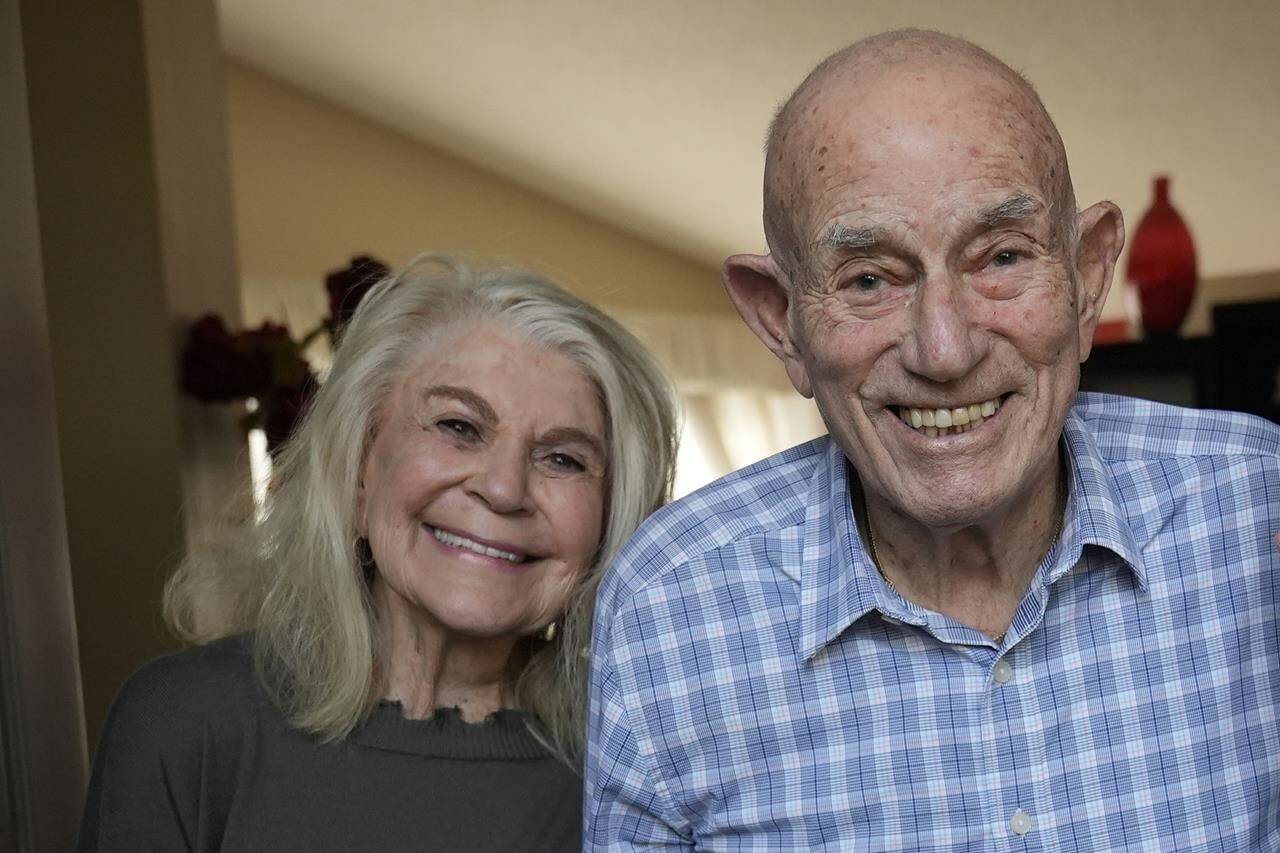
x=945, y=421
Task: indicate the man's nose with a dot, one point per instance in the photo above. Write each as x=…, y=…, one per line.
x=501, y=479
x=943, y=342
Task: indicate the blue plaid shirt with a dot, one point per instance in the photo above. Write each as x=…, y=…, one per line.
x=757, y=686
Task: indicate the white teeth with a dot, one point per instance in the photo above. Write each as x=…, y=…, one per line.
x=471, y=545
x=960, y=419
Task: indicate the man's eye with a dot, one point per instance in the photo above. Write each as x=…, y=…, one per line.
x=458, y=428
x=866, y=283
x=1006, y=258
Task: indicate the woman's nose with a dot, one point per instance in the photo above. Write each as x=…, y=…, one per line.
x=501, y=479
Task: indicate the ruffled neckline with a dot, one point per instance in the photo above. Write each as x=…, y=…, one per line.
x=504, y=735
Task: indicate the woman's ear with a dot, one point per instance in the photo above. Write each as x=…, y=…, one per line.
x=761, y=292
x=362, y=510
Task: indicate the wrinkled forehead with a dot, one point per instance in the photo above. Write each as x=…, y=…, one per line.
x=861, y=127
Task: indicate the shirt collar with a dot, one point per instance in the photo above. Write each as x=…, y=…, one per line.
x=1096, y=514
x=839, y=583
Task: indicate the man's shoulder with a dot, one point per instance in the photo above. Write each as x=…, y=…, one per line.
x=760, y=499
x=1132, y=429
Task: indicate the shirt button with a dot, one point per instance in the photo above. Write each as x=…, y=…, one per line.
x=1020, y=823
x=1002, y=672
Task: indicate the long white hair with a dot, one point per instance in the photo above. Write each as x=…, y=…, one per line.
x=297, y=578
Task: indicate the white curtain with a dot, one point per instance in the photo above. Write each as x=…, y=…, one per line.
x=739, y=406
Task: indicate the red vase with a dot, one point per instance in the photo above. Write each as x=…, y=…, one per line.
x=1162, y=267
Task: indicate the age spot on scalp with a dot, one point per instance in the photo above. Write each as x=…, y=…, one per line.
x=822, y=150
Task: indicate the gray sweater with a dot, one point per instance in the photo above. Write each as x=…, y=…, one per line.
x=194, y=757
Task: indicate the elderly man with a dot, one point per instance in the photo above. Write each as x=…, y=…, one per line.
x=984, y=613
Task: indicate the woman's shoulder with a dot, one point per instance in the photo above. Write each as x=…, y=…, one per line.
x=191, y=690
x=166, y=761
x=214, y=671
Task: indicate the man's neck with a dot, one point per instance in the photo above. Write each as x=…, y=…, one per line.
x=976, y=574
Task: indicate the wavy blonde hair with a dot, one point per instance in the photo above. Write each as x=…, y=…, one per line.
x=297, y=577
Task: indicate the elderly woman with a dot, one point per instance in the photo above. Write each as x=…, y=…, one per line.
x=398, y=660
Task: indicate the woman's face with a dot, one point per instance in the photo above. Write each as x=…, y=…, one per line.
x=483, y=491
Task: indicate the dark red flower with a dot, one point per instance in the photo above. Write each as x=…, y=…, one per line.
x=266, y=363
x=283, y=409
x=277, y=361
x=215, y=367
x=348, y=286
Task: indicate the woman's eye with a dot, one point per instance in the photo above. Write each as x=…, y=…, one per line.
x=565, y=462
x=458, y=428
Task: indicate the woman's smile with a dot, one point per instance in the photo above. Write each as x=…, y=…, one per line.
x=505, y=556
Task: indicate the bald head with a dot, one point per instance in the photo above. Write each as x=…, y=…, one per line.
x=887, y=81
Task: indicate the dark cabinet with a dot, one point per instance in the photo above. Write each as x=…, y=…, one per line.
x=1238, y=368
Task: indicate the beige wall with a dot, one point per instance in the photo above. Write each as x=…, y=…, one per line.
x=113, y=366
x=128, y=139
x=44, y=760
x=314, y=184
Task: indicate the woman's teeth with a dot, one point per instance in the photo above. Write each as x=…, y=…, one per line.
x=935, y=422
x=471, y=545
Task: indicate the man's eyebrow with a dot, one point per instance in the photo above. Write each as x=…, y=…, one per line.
x=841, y=236
x=465, y=396
x=573, y=435
x=1016, y=206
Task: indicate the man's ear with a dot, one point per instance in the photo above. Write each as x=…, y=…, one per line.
x=1101, y=230
x=760, y=291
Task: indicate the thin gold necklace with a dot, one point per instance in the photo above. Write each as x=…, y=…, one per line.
x=875, y=555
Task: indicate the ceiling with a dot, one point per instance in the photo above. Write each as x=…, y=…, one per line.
x=651, y=115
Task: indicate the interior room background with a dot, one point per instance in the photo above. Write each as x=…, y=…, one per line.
x=171, y=159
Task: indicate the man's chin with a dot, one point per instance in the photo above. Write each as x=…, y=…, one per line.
x=951, y=503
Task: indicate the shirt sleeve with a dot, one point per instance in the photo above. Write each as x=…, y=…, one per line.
x=623, y=808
